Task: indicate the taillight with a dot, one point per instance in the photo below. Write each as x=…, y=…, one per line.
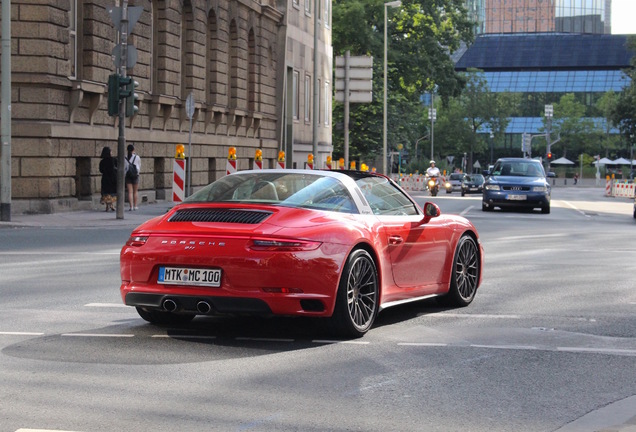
x=137, y=241
x=282, y=245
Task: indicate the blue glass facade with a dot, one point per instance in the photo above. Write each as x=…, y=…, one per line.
x=543, y=67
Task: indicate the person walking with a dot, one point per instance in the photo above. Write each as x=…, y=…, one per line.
x=108, y=168
x=133, y=168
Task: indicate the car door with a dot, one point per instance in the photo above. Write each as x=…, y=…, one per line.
x=417, y=251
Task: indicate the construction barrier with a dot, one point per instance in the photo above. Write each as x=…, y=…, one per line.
x=623, y=190
x=178, y=180
x=608, y=187
x=258, y=159
x=231, y=161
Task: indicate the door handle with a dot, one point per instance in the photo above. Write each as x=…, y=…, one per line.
x=395, y=240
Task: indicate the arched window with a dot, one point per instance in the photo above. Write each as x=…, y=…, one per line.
x=187, y=49
x=233, y=56
x=213, y=72
x=252, y=73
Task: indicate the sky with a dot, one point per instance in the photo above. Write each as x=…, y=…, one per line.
x=624, y=16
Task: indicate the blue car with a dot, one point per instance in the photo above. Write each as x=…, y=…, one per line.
x=517, y=183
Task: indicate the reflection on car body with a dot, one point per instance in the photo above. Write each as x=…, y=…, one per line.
x=340, y=245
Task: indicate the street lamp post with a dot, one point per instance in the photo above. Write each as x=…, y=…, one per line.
x=492, y=136
x=393, y=4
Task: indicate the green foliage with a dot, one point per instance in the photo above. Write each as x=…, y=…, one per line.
x=624, y=112
x=421, y=34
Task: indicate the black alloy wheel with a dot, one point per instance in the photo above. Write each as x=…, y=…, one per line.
x=357, y=297
x=465, y=273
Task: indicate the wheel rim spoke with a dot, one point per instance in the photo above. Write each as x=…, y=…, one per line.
x=467, y=269
x=362, y=292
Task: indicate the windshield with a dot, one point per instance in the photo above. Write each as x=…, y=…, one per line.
x=289, y=189
x=523, y=168
x=475, y=179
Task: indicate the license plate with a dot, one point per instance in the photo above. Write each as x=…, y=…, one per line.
x=189, y=276
x=517, y=197
x=473, y=189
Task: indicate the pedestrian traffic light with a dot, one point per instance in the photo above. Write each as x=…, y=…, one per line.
x=113, y=94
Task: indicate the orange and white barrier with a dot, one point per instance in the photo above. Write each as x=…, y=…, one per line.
x=258, y=160
x=178, y=180
x=231, y=161
x=608, y=187
x=281, y=159
x=623, y=190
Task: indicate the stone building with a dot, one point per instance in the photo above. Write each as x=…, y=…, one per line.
x=247, y=63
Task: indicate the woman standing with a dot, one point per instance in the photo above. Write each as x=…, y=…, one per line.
x=108, y=168
x=132, y=168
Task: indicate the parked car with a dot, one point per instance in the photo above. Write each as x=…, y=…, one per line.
x=454, y=182
x=340, y=245
x=517, y=182
x=472, y=183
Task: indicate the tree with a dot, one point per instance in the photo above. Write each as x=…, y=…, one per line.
x=421, y=35
x=569, y=123
x=465, y=123
x=624, y=113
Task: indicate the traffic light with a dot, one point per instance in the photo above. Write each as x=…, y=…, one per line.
x=549, y=156
x=128, y=92
x=113, y=94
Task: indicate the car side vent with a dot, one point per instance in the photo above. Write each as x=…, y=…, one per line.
x=220, y=215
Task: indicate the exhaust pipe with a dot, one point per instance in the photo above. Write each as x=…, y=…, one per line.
x=204, y=307
x=169, y=305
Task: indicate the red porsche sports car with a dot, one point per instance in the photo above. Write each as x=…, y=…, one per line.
x=336, y=244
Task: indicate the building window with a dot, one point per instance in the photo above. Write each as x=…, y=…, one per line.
x=307, y=98
x=327, y=13
x=308, y=7
x=295, y=107
x=319, y=10
x=296, y=3
x=327, y=102
x=73, y=38
x=319, y=103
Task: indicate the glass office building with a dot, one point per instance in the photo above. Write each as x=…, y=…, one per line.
x=540, y=16
x=542, y=67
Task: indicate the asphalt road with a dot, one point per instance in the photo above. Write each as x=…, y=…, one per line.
x=549, y=344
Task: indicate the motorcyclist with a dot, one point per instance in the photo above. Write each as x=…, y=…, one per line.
x=432, y=171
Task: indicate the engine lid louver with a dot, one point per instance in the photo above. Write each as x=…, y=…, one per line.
x=220, y=216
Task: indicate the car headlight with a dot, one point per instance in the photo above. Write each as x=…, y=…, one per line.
x=447, y=185
x=539, y=189
x=493, y=187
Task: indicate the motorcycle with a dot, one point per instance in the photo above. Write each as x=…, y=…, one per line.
x=433, y=185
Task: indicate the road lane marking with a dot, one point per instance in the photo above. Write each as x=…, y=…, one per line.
x=458, y=315
x=578, y=210
x=511, y=347
x=98, y=335
x=196, y=337
x=530, y=237
x=425, y=344
x=466, y=210
x=21, y=334
x=110, y=305
x=328, y=341
x=598, y=350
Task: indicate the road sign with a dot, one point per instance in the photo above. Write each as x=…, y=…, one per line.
x=359, y=73
x=131, y=56
x=134, y=12
x=190, y=105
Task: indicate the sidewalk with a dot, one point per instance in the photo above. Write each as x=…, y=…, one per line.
x=89, y=218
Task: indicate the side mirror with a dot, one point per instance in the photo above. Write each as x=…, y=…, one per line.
x=485, y=173
x=431, y=210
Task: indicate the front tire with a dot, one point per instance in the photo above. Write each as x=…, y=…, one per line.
x=357, y=297
x=164, y=318
x=465, y=273
x=546, y=209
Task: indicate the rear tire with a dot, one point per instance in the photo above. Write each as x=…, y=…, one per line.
x=164, y=318
x=357, y=297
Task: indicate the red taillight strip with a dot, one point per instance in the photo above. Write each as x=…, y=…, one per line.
x=137, y=241
x=264, y=244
